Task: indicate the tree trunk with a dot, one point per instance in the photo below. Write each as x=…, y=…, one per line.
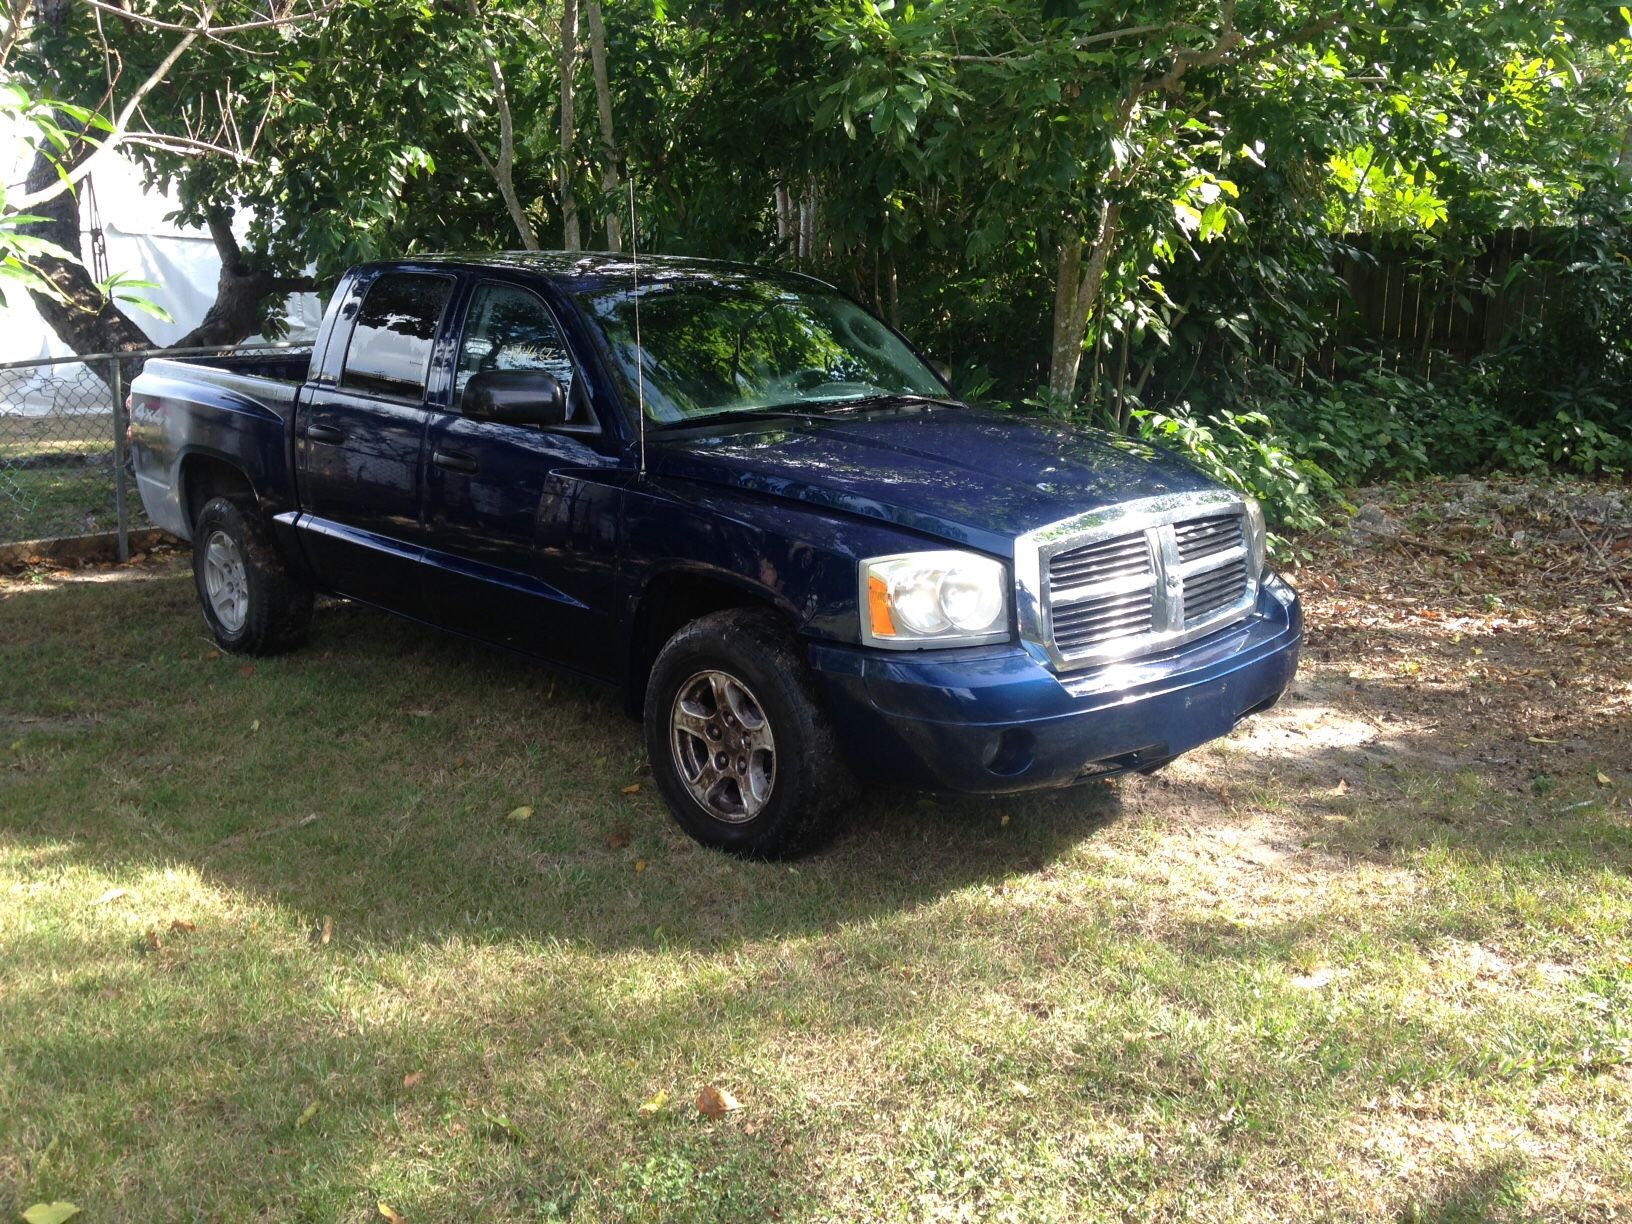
x=1077, y=287
x=570, y=238
x=503, y=170
x=610, y=160
x=787, y=229
x=241, y=291
x=85, y=320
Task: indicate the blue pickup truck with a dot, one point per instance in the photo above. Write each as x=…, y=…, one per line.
x=744, y=500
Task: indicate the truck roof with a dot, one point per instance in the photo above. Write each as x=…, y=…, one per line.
x=599, y=271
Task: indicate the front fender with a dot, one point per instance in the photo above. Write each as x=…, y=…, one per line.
x=799, y=559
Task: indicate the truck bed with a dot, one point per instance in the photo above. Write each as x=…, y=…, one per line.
x=269, y=379
x=236, y=408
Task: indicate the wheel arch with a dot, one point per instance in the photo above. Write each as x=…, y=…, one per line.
x=674, y=597
x=206, y=474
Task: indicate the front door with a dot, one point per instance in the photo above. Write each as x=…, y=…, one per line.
x=521, y=521
x=359, y=445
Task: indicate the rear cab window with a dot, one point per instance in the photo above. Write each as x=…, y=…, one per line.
x=390, y=349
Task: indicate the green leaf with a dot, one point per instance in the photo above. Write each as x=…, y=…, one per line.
x=146, y=305
x=50, y=1213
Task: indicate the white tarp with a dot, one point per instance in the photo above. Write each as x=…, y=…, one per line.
x=144, y=245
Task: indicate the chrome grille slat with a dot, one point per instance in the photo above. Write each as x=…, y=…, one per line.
x=1084, y=625
x=1126, y=557
x=1205, y=536
x=1206, y=593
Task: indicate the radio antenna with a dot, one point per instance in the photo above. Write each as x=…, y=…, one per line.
x=640, y=356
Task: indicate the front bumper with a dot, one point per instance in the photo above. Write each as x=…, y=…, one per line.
x=994, y=720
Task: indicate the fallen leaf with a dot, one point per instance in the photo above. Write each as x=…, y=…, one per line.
x=715, y=1102
x=632, y=789
x=1342, y=787
x=524, y=812
x=412, y=1078
x=307, y=1114
x=1603, y=778
x=640, y=866
x=152, y=940
x=328, y=930
x=248, y=669
x=255, y=726
x=500, y=1127
x=1542, y=739
x=656, y=1102
x=458, y=762
x=390, y=1212
x=1004, y=823
x=181, y=924
x=619, y=839
x=50, y=1213
x=113, y=894
x=419, y=713
x=1019, y=1089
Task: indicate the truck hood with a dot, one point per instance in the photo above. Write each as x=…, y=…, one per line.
x=959, y=474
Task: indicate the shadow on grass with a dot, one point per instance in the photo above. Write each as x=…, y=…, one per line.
x=1475, y=1195
x=376, y=775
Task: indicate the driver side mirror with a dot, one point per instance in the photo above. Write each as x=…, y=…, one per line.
x=515, y=397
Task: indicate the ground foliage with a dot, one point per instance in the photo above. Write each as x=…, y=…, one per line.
x=1367, y=958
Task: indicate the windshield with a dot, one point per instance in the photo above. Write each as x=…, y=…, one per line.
x=737, y=343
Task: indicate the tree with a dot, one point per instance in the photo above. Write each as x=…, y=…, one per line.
x=291, y=119
x=73, y=140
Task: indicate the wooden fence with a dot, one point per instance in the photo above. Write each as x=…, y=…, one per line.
x=1410, y=308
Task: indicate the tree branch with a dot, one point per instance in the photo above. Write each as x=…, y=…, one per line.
x=70, y=178
x=503, y=172
x=209, y=31
x=1079, y=44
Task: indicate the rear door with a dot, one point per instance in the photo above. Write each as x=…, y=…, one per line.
x=360, y=436
x=521, y=520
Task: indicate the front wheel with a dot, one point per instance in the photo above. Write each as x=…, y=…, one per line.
x=738, y=743
x=251, y=601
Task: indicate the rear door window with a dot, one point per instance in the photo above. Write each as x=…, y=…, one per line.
x=390, y=350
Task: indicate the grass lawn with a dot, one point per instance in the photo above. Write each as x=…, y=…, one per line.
x=273, y=946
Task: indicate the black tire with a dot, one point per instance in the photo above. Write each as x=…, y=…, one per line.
x=809, y=787
x=276, y=605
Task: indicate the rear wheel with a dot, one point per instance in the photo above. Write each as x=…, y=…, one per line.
x=739, y=745
x=252, y=603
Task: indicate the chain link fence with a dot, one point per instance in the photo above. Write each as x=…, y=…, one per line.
x=64, y=466
x=62, y=449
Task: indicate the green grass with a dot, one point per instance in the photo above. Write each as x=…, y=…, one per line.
x=1222, y=993
x=56, y=477
x=46, y=502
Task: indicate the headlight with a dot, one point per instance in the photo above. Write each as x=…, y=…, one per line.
x=1258, y=538
x=914, y=600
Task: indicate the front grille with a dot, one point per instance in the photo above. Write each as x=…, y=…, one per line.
x=1138, y=591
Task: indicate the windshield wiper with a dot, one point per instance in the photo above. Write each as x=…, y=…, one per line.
x=815, y=411
x=736, y=414
x=893, y=399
